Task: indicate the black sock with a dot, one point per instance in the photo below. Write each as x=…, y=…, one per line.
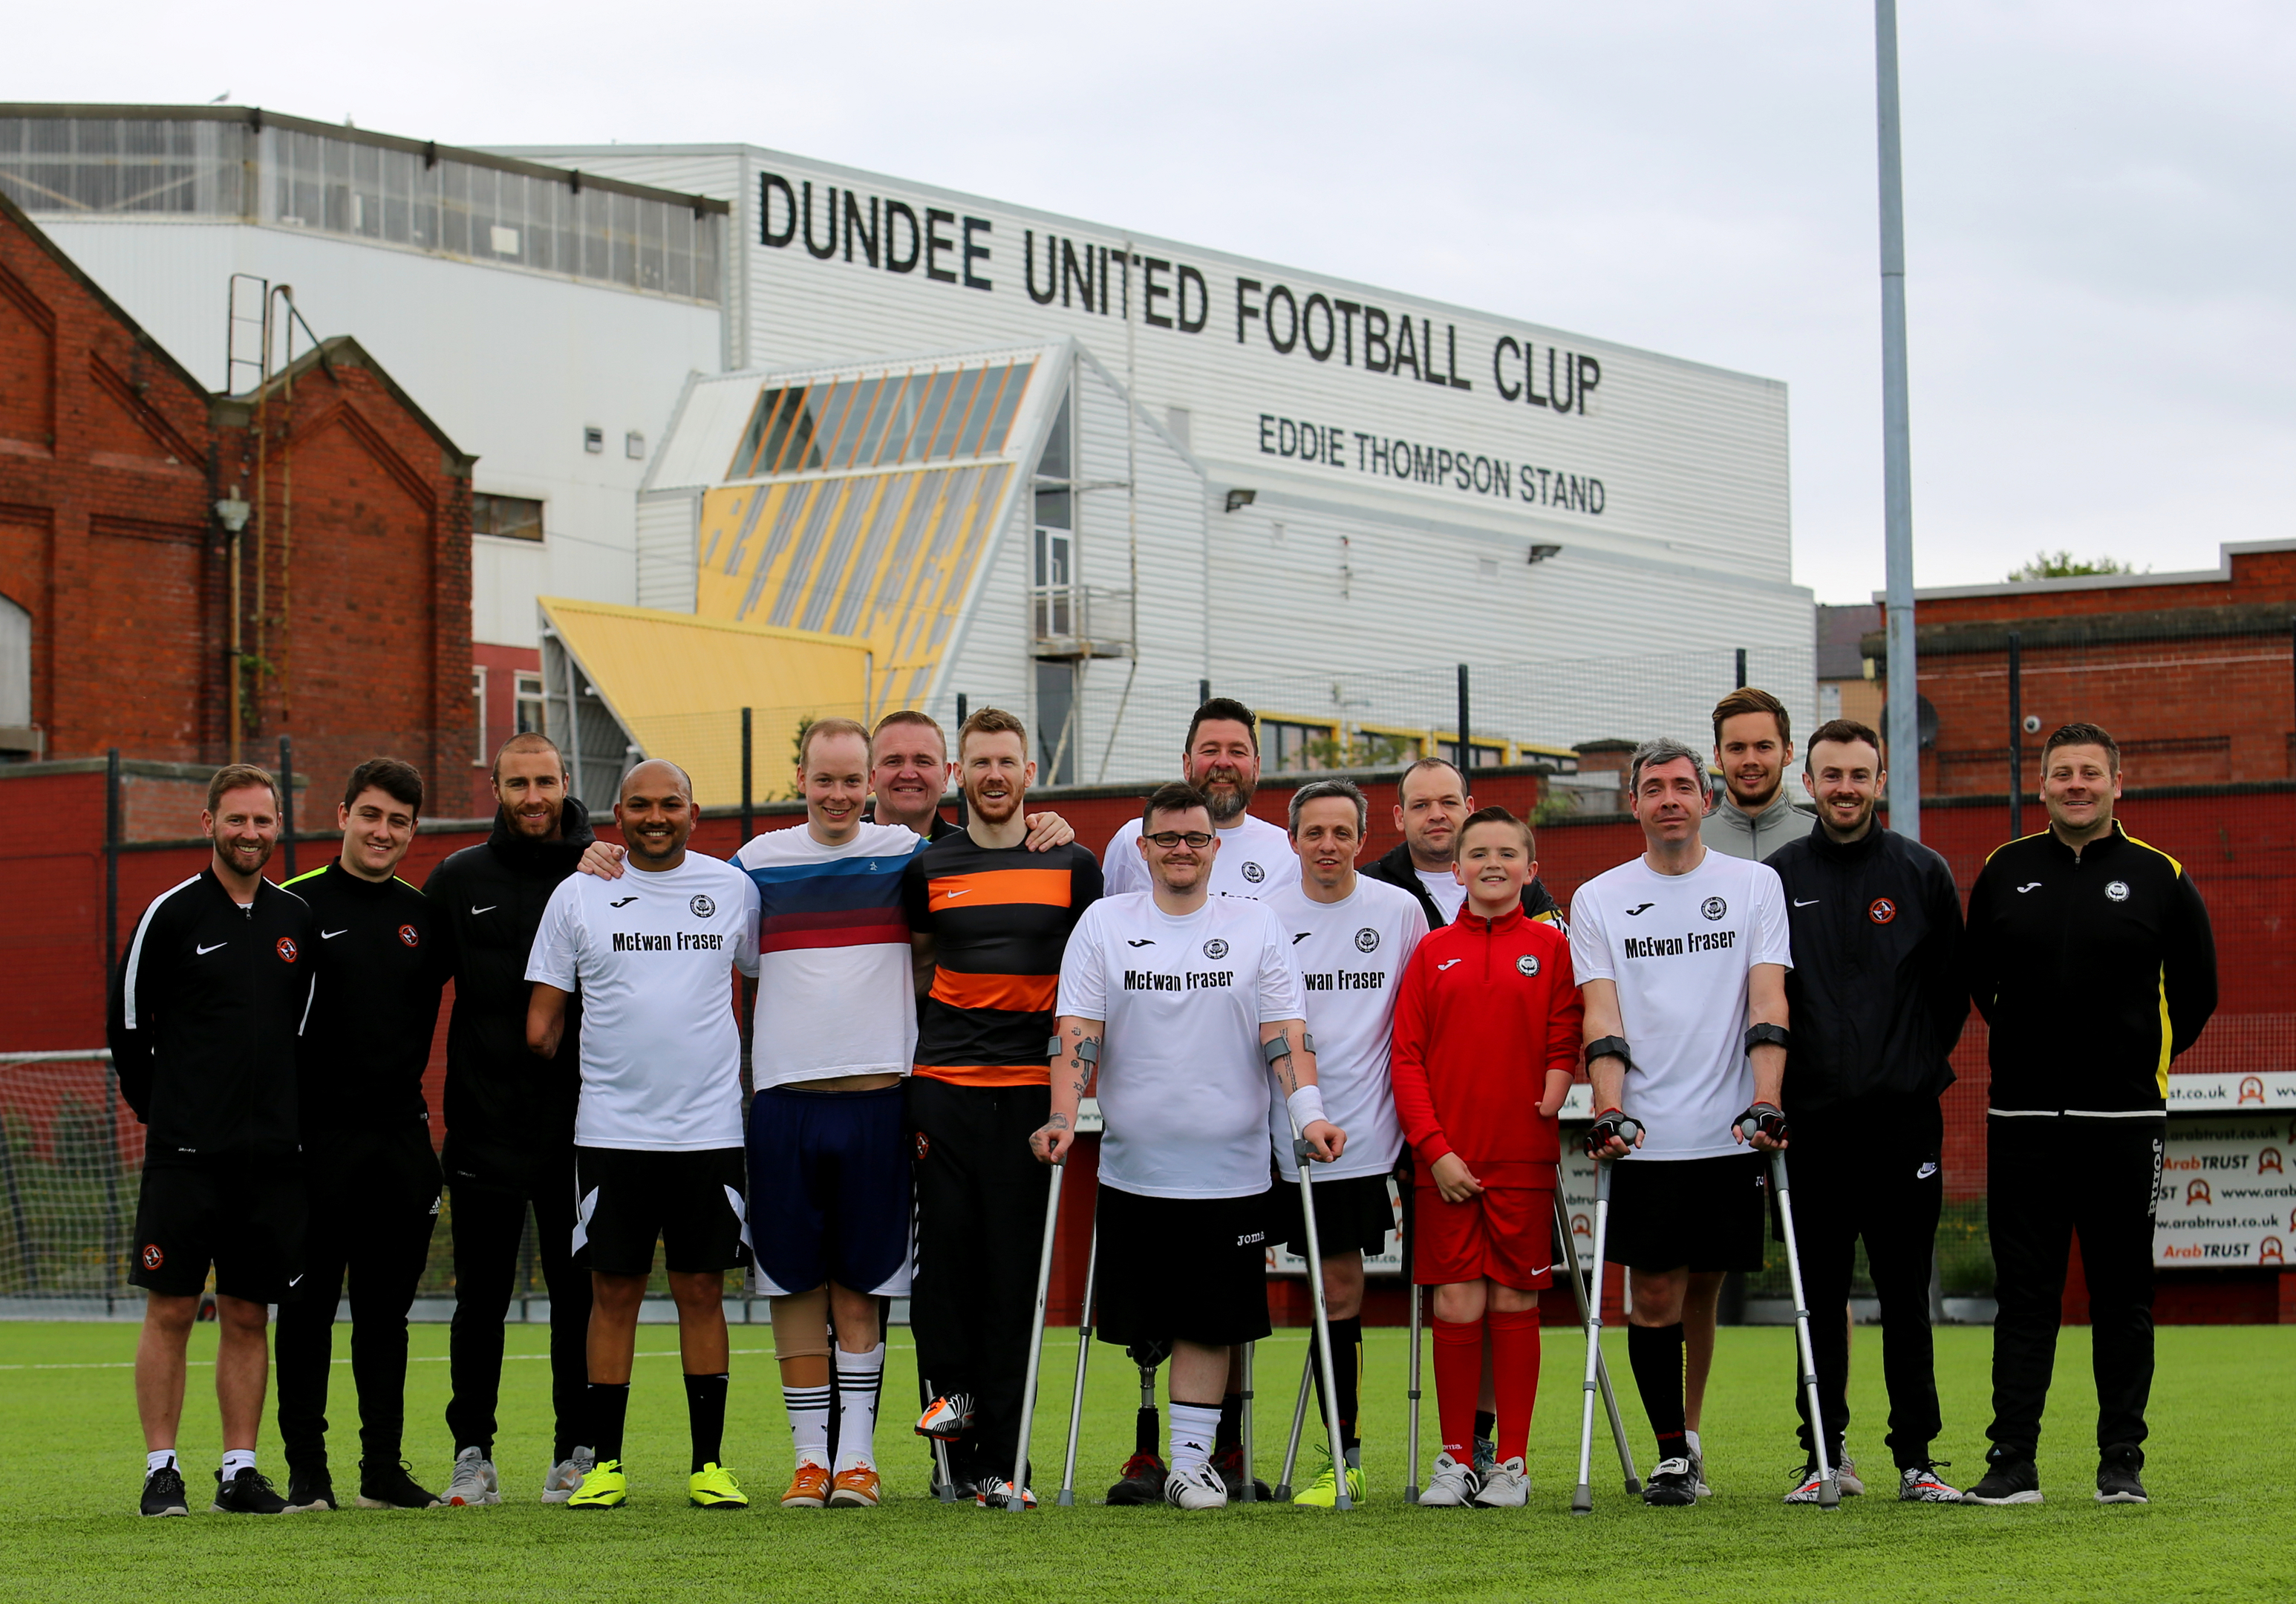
x=1655, y=1353
x=705, y=1412
x=1147, y=1430
x=1347, y=1371
x=1486, y=1424
x=1230, y=1434
x=610, y=1406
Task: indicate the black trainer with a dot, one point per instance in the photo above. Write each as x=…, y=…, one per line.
x=2011, y=1478
x=1672, y=1484
x=308, y=1491
x=2117, y=1477
x=1230, y=1466
x=250, y=1493
x=1141, y=1483
x=163, y=1493
x=389, y=1487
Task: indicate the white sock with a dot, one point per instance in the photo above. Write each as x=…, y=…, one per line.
x=158, y=1459
x=858, y=1377
x=1194, y=1427
x=808, y=1419
x=236, y=1460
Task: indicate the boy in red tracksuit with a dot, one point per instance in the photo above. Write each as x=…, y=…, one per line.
x=1487, y=1029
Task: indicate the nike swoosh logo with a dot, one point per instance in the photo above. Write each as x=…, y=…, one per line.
x=1645, y=908
x=1150, y=941
x=1301, y=937
x=203, y=952
x=294, y=1281
x=624, y=903
x=953, y=895
x=2028, y=886
x=1812, y=902
x=330, y=935
x=489, y=908
x=1446, y=963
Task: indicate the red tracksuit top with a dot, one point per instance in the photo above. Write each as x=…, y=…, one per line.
x=1487, y=1007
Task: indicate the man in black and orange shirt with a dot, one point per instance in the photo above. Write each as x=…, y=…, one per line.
x=990, y=919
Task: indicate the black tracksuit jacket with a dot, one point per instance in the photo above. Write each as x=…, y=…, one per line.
x=368, y=1041
x=2093, y=971
x=206, y=1009
x=507, y=1110
x=1875, y=996
x=1396, y=870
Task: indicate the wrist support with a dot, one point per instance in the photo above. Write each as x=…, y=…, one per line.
x=1307, y=1106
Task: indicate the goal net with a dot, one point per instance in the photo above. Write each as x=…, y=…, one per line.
x=71, y=1155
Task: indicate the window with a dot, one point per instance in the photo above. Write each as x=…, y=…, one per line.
x=533, y=710
x=15, y=677
x=880, y=422
x=481, y=755
x=1287, y=746
x=506, y=517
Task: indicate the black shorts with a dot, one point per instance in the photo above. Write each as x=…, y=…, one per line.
x=1699, y=1214
x=248, y=1220
x=830, y=1186
x=1182, y=1269
x=690, y=1200
x=1352, y=1216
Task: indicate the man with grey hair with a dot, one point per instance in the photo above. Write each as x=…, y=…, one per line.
x=1351, y=938
x=1682, y=954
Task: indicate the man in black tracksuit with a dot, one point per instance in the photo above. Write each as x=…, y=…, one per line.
x=1877, y=1001
x=205, y=1016
x=2091, y=958
x=370, y=1173
x=1432, y=804
x=509, y=1116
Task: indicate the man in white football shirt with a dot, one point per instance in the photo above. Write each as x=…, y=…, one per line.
x=1174, y=994
x=1221, y=760
x=658, y=1131
x=1351, y=936
x=1683, y=954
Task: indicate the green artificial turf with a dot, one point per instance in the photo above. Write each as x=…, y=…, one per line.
x=2223, y=1525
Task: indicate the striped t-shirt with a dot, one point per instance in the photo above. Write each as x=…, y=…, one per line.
x=834, y=989
x=1000, y=919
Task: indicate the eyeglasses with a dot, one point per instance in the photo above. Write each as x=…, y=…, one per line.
x=1168, y=838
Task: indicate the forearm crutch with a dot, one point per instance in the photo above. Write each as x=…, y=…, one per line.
x=1067, y=1499
x=1582, y=1496
x=1409, y=1198
x=1298, y=1422
x=1829, y=1486
x=1602, y=1367
x=1015, y=1499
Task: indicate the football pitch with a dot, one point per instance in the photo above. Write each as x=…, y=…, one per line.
x=2222, y=1525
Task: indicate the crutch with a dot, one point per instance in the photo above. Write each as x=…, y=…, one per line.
x=1298, y=1423
x=1015, y=1499
x=1410, y=1220
x=1067, y=1499
x=1249, y=1493
x=1582, y=1496
x=1303, y=1155
x=1829, y=1486
x=1602, y=1367
x=943, y=1488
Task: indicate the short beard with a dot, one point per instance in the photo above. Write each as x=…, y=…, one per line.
x=1753, y=805
x=1013, y=802
x=1225, y=809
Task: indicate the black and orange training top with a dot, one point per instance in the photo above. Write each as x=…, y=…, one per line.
x=1000, y=919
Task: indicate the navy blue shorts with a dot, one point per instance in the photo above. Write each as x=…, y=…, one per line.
x=829, y=1191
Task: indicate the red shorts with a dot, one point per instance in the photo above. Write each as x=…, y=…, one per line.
x=1506, y=1235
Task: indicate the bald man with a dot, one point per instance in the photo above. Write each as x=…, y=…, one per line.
x=658, y=1153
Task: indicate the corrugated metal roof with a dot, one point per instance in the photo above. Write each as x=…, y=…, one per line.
x=677, y=683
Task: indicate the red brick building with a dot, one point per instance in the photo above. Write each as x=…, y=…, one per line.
x=2190, y=671
x=120, y=479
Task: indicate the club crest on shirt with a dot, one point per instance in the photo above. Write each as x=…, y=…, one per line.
x=410, y=936
x=1714, y=907
x=1528, y=964
x=1366, y=940
x=2118, y=890
x=1216, y=948
x=1254, y=873
x=1881, y=910
x=924, y=1146
x=703, y=907
x=286, y=950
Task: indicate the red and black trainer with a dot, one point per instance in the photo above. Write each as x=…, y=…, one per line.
x=1143, y=1482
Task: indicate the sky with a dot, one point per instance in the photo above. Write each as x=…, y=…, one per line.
x=2102, y=315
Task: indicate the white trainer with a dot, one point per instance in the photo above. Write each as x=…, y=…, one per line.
x=1507, y=1487
x=474, y=1480
x=1453, y=1485
x=1200, y=1488
x=565, y=1477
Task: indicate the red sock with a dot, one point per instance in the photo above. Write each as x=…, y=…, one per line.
x=1458, y=1377
x=1515, y=1372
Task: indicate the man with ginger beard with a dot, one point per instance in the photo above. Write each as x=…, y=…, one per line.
x=909, y=772
x=990, y=919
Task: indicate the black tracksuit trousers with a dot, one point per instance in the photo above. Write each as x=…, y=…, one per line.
x=488, y=1218
x=374, y=1202
x=2049, y=1176
x=979, y=1240
x=1869, y=1170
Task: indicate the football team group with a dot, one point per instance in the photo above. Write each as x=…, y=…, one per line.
x=845, y=1062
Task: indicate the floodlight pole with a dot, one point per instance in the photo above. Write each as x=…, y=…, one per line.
x=1904, y=734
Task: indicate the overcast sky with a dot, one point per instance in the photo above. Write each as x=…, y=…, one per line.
x=2099, y=227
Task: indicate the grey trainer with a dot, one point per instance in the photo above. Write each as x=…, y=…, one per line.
x=474, y=1480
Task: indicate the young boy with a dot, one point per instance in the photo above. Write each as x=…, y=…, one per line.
x=1487, y=1029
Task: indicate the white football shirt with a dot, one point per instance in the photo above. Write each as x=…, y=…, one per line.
x=1254, y=858
x=1182, y=1089
x=653, y=956
x=835, y=992
x=1444, y=886
x=1351, y=956
x=1679, y=947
